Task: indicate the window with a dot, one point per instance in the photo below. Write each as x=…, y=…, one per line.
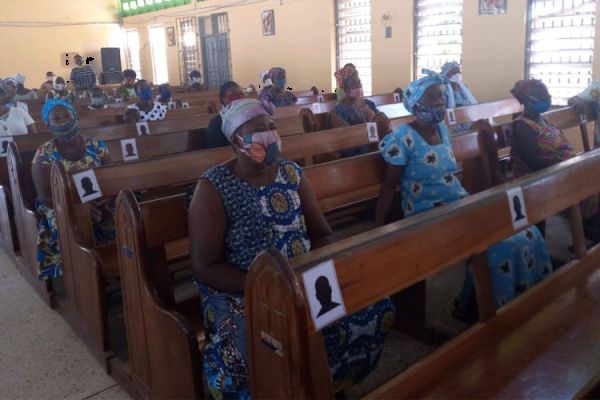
x=127, y=8
x=132, y=41
x=158, y=47
x=560, y=45
x=188, y=48
x=438, y=33
x=354, y=38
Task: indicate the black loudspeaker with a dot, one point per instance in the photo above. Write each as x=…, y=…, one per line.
x=111, y=77
x=111, y=59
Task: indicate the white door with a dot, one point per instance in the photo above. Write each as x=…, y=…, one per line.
x=158, y=46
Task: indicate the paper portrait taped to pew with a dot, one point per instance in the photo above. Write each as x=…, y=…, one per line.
x=4, y=141
x=372, y=133
x=323, y=294
x=142, y=128
x=185, y=104
x=171, y=105
x=129, y=150
x=320, y=98
x=316, y=108
x=451, y=116
x=396, y=97
x=583, y=118
x=87, y=185
x=518, y=209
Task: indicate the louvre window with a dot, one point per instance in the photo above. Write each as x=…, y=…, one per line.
x=438, y=33
x=354, y=38
x=127, y=8
x=561, y=45
x=188, y=47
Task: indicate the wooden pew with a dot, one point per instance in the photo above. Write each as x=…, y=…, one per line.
x=173, y=173
x=146, y=230
x=518, y=351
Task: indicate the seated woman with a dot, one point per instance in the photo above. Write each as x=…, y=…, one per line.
x=457, y=93
x=277, y=93
x=230, y=91
x=127, y=89
x=165, y=97
x=48, y=83
x=97, y=99
x=75, y=153
x=11, y=87
x=196, y=84
x=352, y=108
x=60, y=91
x=247, y=205
x=23, y=94
x=537, y=144
x=420, y=160
x=149, y=109
x=13, y=120
x=588, y=103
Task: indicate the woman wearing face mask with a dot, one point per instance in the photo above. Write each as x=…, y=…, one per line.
x=13, y=120
x=419, y=159
x=457, y=93
x=149, y=109
x=247, y=205
x=60, y=91
x=165, y=97
x=127, y=89
x=229, y=92
x=23, y=94
x=352, y=108
x=277, y=92
x=97, y=99
x=76, y=153
x=196, y=81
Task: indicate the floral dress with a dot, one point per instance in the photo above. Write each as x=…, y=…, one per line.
x=429, y=181
x=279, y=97
x=48, y=252
x=259, y=218
x=552, y=144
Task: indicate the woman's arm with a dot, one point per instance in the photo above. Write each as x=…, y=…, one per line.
x=318, y=228
x=207, y=224
x=525, y=146
x=40, y=173
x=388, y=190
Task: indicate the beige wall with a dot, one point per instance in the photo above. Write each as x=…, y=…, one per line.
x=305, y=26
x=493, y=49
x=392, y=57
x=33, y=50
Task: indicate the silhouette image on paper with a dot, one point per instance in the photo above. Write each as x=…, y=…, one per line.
x=323, y=294
x=372, y=132
x=129, y=150
x=88, y=186
x=143, y=130
x=517, y=208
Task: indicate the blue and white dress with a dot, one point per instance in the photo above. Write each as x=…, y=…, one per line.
x=429, y=181
x=258, y=218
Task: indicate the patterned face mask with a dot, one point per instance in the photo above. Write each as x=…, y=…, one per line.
x=430, y=114
x=355, y=93
x=262, y=147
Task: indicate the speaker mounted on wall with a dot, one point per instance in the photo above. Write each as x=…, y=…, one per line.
x=111, y=59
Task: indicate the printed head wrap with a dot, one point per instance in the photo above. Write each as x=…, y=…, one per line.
x=238, y=112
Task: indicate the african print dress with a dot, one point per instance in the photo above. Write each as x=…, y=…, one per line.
x=258, y=218
x=48, y=252
x=429, y=181
x=279, y=97
x=552, y=144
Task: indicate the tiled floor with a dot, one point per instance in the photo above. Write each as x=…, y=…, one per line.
x=40, y=355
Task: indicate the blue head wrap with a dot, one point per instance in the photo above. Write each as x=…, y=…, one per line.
x=51, y=104
x=415, y=90
x=449, y=66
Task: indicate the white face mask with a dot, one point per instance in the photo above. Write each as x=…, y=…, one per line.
x=60, y=86
x=456, y=78
x=196, y=80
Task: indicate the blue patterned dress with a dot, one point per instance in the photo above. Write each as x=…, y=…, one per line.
x=48, y=249
x=258, y=218
x=429, y=181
